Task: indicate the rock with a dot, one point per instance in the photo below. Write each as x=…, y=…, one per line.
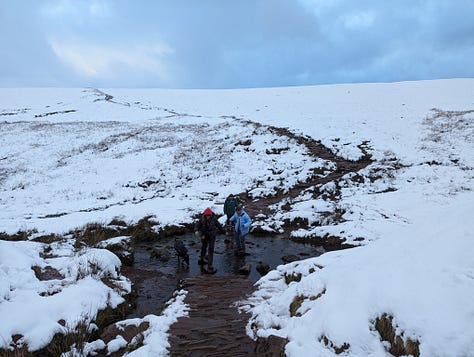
x=263, y=268
x=245, y=269
x=290, y=258
x=271, y=346
x=161, y=254
x=47, y=273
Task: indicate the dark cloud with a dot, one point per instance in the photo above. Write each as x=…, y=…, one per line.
x=223, y=44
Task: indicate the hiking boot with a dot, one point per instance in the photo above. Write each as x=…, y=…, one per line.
x=211, y=270
x=245, y=269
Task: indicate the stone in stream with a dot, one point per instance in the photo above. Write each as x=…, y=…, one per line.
x=160, y=254
x=245, y=269
x=290, y=258
x=263, y=268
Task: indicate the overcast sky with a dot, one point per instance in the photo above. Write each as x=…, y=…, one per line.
x=232, y=43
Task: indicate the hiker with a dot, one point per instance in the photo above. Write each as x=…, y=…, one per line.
x=206, y=228
x=241, y=229
x=229, y=209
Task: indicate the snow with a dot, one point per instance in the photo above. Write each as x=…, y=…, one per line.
x=116, y=344
x=121, y=240
x=424, y=296
x=69, y=157
x=155, y=341
x=80, y=294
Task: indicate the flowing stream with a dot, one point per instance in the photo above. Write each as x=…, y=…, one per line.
x=157, y=277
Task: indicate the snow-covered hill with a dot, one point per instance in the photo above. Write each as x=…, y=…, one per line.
x=75, y=156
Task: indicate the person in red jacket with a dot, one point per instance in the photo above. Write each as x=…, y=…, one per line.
x=207, y=228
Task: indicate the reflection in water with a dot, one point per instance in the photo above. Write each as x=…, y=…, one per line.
x=160, y=277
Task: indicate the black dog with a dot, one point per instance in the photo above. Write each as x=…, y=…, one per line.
x=181, y=251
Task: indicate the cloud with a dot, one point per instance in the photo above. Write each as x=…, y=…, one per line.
x=108, y=61
x=362, y=19
x=76, y=9
x=221, y=44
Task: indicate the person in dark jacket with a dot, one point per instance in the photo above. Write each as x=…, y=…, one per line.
x=207, y=228
x=231, y=202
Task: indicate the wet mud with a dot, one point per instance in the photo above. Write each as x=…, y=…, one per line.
x=214, y=326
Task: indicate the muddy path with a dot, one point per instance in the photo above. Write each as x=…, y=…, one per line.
x=263, y=206
x=316, y=150
x=214, y=326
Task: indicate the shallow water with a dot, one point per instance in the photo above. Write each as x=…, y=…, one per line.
x=158, y=278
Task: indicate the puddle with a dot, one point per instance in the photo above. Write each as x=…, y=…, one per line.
x=156, y=278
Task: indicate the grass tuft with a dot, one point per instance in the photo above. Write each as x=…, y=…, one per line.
x=292, y=277
x=399, y=346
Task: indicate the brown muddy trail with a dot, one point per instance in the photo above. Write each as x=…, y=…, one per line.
x=262, y=206
x=214, y=326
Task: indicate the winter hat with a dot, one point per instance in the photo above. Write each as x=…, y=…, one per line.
x=207, y=212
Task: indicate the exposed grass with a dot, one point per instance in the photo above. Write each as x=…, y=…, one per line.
x=328, y=242
x=292, y=277
x=18, y=236
x=93, y=233
x=399, y=346
x=75, y=335
x=91, y=269
x=48, y=239
x=337, y=349
x=296, y=223
x=111, y=315
x=296, y=304
x=118, y=222
x=16, y=349
x=144, y=231
x=46, y=273
x=298, y=301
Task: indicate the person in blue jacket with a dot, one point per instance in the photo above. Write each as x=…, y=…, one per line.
x=241, y=229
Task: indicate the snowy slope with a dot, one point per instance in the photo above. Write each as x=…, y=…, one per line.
x=73, y=156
